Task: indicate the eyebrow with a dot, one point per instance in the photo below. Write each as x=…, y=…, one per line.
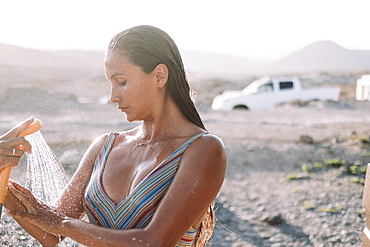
x=116, y=74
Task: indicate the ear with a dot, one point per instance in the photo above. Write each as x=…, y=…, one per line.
x=161, y=75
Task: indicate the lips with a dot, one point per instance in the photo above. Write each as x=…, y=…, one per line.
x=121, y=108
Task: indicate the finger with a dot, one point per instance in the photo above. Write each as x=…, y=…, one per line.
x=12, y=213
x=19, y=214
x=25, y=200
x=13, y=203
x=16, y=130
x=25, y=145
x=20, y=190
x=17, y=152
x=22, y=197
x=8, y=161
x=11, y=152
x=19, y=187
x=25, y=197
x=17, y=142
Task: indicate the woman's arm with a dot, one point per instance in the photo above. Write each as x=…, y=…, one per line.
x=69, y=203
x=195, y=186
x=193, y=189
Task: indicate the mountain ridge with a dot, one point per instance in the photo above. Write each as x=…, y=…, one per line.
x=321, y=56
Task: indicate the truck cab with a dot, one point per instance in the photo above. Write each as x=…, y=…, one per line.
x=263, y=93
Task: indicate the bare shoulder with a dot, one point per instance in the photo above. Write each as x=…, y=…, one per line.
x=210, y=141
x=98, y=143
x=87, y=162
x=207, y=144
x=93, y=151
x=100, y=140
x=206, y=154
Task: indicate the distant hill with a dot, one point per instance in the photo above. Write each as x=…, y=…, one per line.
x=197, y=64
x=322, y=56
x=205, y=64
x=18, y=56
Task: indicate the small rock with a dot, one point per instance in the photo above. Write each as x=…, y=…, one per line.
x=306, y=139
x=272, y=219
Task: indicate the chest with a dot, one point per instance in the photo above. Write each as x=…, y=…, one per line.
x=124, y=171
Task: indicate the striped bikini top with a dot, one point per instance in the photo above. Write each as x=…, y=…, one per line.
x=137, y=210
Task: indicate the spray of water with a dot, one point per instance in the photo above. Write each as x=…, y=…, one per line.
x=45, y=175
x=45, y=178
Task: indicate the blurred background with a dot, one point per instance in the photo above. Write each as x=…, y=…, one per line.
x=51, y=67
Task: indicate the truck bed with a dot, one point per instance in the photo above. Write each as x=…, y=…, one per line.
x=322, y=93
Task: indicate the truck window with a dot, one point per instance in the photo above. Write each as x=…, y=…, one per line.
x=286, y=85
x=266, y=88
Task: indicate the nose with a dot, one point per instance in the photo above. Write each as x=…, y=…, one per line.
x=114, y=96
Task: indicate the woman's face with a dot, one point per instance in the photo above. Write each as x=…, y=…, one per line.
x=132, y=89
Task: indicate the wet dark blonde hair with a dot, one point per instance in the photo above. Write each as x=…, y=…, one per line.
x=147, y=47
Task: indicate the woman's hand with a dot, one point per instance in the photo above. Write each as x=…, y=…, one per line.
x=12, y=147
x=12, y=203
x=33, y=210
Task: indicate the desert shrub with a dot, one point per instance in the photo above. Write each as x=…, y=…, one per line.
x=330, y=209
x=335, y=163
x=305, y=168
x=357, y=180
x=291, y=176
x=316, y=166
x=295, y=176
x=357, y=169
x=364, y=141
x=309, y=205
x=361, y=212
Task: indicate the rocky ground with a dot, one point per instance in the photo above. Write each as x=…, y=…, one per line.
x=267, y=198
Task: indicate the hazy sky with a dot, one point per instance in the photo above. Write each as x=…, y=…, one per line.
x=266, y=29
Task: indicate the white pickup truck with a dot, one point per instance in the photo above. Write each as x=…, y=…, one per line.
x=267, y=92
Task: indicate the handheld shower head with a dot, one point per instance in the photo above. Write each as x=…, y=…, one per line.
x=5, y=172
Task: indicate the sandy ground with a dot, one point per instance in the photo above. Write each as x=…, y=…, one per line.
x=263, y=147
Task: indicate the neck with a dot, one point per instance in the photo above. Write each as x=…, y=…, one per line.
x=162, y=125
x=151, y=132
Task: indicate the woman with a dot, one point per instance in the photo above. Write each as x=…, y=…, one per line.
x=153, y=185
x=10, y=153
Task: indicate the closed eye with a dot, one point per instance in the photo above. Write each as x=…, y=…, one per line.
x=122, y=84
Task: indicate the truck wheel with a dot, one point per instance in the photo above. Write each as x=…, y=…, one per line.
x=240, y=107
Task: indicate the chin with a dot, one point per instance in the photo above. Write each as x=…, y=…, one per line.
x=130, y=118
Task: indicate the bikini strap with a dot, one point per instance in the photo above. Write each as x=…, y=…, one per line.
x=104, y=152
x=186, y=144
